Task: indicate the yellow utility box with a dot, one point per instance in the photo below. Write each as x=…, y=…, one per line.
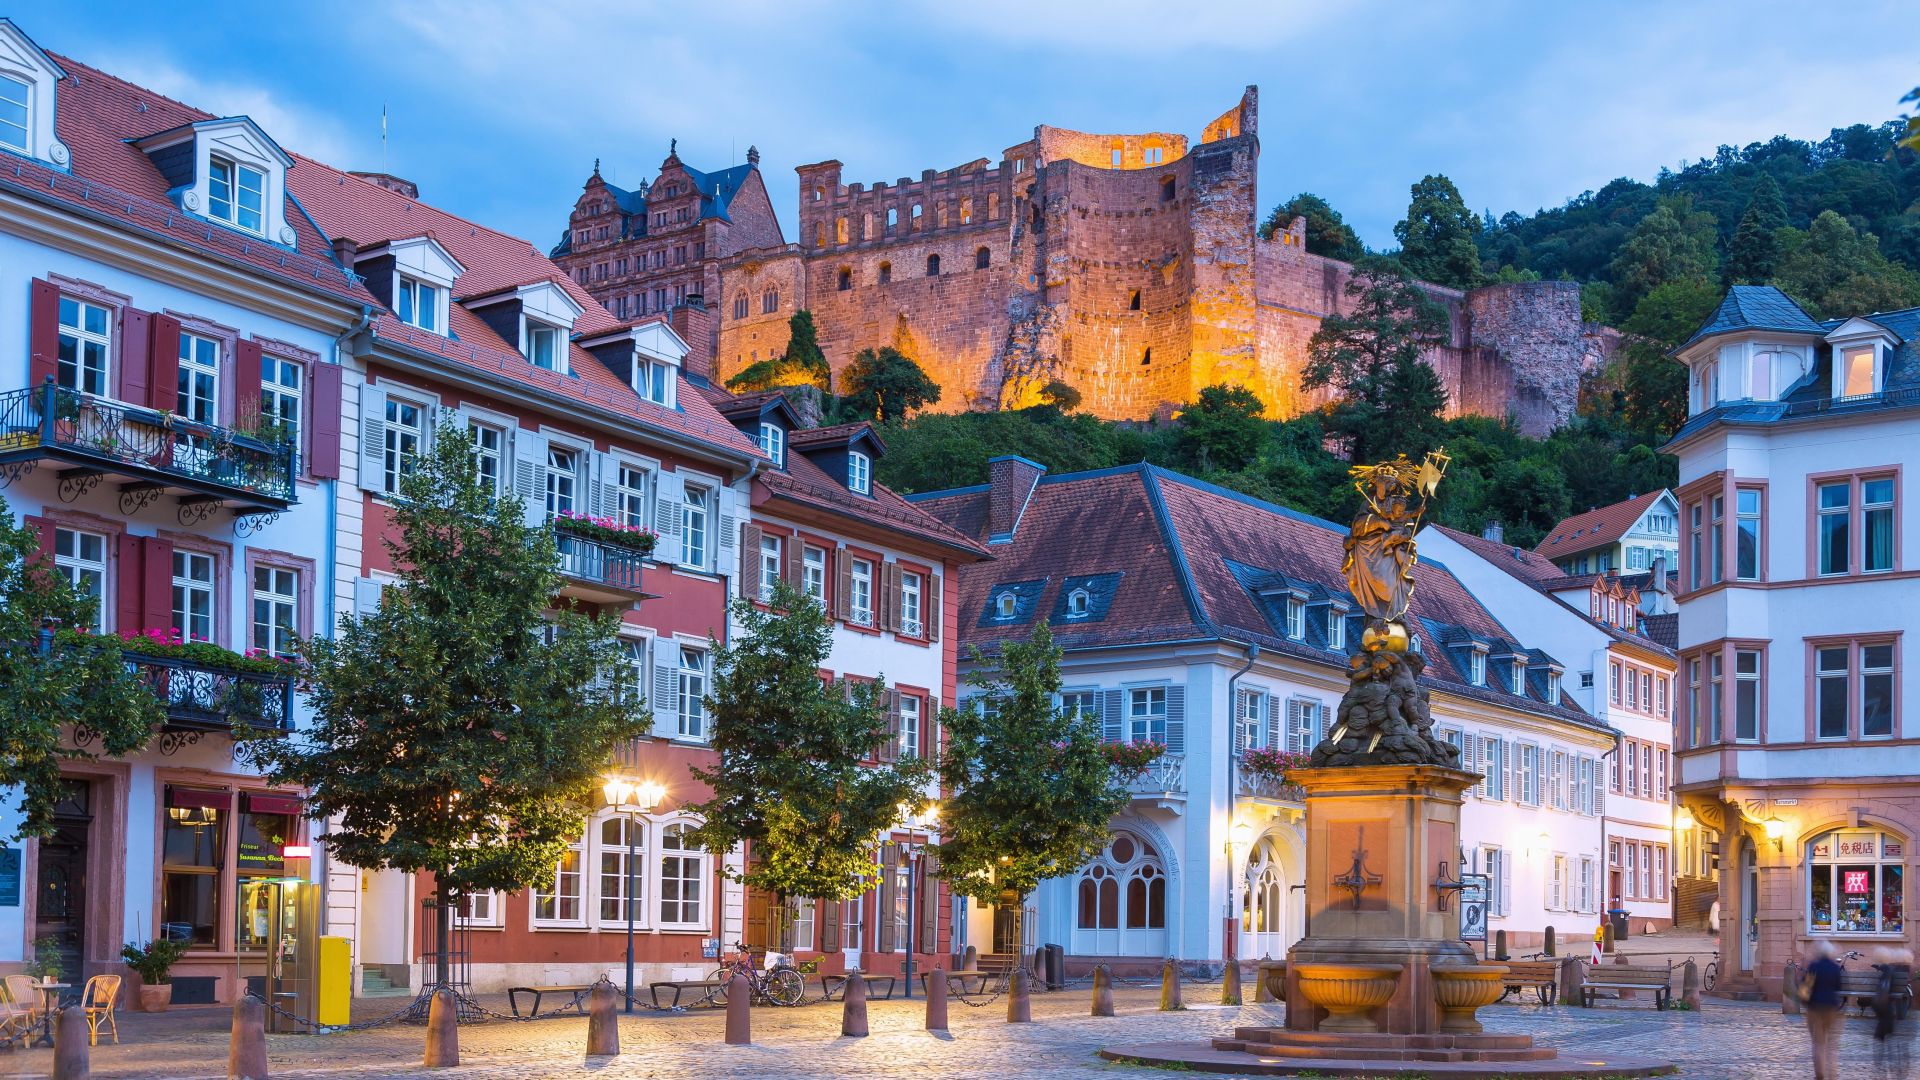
x=334, y=982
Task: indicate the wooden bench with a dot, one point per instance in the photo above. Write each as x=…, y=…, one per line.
x=1540, y=976
x=962, y=983
x=714, y=991
x=1624, y=978
x=833, y=983
x=579, y=992
x=1861, y=985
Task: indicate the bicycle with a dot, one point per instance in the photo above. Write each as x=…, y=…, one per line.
x=782, y=984
x=1712, y=973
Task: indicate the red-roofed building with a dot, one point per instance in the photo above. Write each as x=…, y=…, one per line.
x=1624, y=537
x=1215, y=623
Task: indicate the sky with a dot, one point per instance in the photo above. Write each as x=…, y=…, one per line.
x=498, y=110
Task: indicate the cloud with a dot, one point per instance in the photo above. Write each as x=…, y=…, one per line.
x=295, y=126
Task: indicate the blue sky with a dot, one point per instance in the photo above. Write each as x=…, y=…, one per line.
x=498, y=110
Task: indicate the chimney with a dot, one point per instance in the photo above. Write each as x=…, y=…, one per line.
x=1657, y=574
x=345, y=251
x=395, y=184
x=1010, y=484
x=1494, y=532
x=694, y=323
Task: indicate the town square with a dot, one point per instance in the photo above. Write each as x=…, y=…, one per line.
x=852, y=540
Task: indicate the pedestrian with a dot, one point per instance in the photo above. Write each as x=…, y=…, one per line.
x=1819, y=991
x=1892, y=1039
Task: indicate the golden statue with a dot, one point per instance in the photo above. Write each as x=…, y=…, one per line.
x=1380, y=547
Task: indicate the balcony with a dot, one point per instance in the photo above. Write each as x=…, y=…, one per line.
x=597, y=571
x=201, y=697
x=1263, y=788
x=150, y=454
x=1164, y=782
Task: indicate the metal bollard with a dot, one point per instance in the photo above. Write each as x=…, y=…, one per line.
x=247, y=1047
x=739, y=1011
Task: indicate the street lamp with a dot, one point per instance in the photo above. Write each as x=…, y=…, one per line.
x=1776, y=832
x=635, y=800
x=912, y=853
x=1239, y=836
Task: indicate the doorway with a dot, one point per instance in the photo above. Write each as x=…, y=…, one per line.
x=60, y=885
x=1749, y=930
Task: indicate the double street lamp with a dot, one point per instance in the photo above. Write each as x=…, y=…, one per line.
x=634, y=799
x=912, y=851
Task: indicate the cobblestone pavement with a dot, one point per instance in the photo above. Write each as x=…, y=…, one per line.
x=1730, y=1041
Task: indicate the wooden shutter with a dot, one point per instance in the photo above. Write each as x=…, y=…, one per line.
x=1276, y=734
x=323, y=423
x=670, y=497
x=43, y=332
x=827, y=913
x=889, y=614
x=156, y=562
x=1176, y=719
x=1113, y=715
x=163, y=362
x=890, y=749
x=883, y=915
x=666, y=688
x=843, y=596
x=750, y=537
x=1506, y=881
x=366, y=596
x=929, y=904
x=130, y=583
x=727, y=505
x=793, y=568
x=136, y=330
x=373, y=438
x=932, y=605
x=246, y=379
x=530, y=475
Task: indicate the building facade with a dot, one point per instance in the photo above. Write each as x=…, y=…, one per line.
x=1798, y=737
x=1214, y=624
x=1626, y=537
x=170, y=424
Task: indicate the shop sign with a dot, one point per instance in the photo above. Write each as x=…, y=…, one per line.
x=1892, y=849
x=1854, y=882
x=1857, y=845
x=11, y=863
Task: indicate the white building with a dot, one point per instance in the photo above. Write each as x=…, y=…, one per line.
x=1213, y=622
x=1799, y=736
x=1625, y=537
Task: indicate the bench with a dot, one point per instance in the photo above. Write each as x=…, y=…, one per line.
x=714, y=991
x=1624, y=978
x=578, y=990
x=835, y=983
x=1861, y=985
x=1540, y=976
x=962, y=983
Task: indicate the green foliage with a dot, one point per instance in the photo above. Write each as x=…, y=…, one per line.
x=1833, y=271
x=1389, y=399
x=883, y=385
x=155, y=961
x=1674, y=243
x=1032, y=792
x=1061, y=395
x=790, y=782
x=1437, y=236
x=801, y=364
x=457, y=730
x=1327, y=232
x=85, y=686
x=1222, y=427
x=942, y=450
x=1751, y=255
x=45, y=964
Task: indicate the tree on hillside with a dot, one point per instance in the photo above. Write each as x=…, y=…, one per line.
x=1389, y=399
x=1327, y=232
x=803, y=364
x=1061, y=395
x=1674, y=243
x=790, y=780
x=56, y=678
x=1751, y=255
x=883, y=385
x=1834, y=271
x=1652, y=384
x=1437, y=236
x=1032, y=788
x=1222, y=429
x=461, y=728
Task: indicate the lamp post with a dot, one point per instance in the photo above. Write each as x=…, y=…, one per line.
x=1238, y=837
x=912, y=851
x=635, y=800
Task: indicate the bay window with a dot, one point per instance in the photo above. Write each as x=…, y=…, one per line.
x=1746, y=695
x=1746, y=537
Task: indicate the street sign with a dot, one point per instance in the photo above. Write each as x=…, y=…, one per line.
x=11, y=863
x=1473, y=920
x=710, y=948
x=1475, y=886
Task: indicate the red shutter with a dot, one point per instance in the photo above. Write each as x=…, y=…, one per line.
x=130, y=584
x=246, y=382
x=157, y=573
x=43, y=332
x=136, y=341
x=163, y=362
x=324, y=460
x=45, y=530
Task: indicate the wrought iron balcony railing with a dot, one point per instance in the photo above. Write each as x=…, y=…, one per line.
x=153, y=453
x=1167, y=775
x=201, y=698
x=599, y=571
x=1261, y=786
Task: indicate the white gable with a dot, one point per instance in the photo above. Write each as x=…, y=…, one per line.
x=549, y=303
x=1859, y=329
x=22, y=60
x=657, y=341
x=423, y=258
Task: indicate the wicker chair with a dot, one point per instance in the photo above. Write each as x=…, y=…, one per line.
x=99, y=997
x=16, y=1024
x=24, y=994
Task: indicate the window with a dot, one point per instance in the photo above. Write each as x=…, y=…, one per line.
x=773, y=442
x=910, y=606
x=693, y=527
x=769, y=566
x=193, y=856
x=1247, y=716
x=1633, y=689
x=813, y=572
x=886, y=269
x=1077, y=604
x=1147, y=715
x=655, y=383
x=1717, y=538
x=1746, y=535
x=683, y=876
x=1830, y=692
x=1530, y=774
x=236, y=194
x=693, y=692
x=1857, y=371
x=846, y=280
x=489, y=445
x=198, y=396
x=1084, y=703
x=1716, y=682
x=14, y=98
x=563, y=900
x=1856, y=883
x=81, y=558
x=419, y=304
x=1553, y=687
x=623, y=837
x=543, y=346
x=1876, y=524
x=909, y=726
x=630, y=496
x=1493, y=860
x=276, y=610
x=1005, y=606
x=860, y=592
x=740, y=306
x=1493, y=763
x=804, y=923
x=1476, y=667
x=1336, y=631
x=1746, y=695
x=1835, y=506
x=193, y=595
x=1695, y=548
x=1517, y=675
x=982, y=259
x=1296, y=618
x=1167, y=190
x=933, y=266
x=86, y=339
x=563, y=480
x=280, y=390
x=859, y=472
x=769, y=301
x=1876, y=691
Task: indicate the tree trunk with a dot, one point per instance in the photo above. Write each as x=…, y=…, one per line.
x=443, y=941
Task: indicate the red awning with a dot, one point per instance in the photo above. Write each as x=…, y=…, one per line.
x=196, y=798
x=290, y=805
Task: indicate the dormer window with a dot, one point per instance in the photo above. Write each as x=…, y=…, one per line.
x=859, y=472
x=1476, y=667
x=1553, y=687
x=419, y=304
x=236, y=194
x=16, y=100
x=1857, y=370
x=1078, y=604
x=1296, y=618
x=773, y=442
x=29, y=80
x=1005, y=606
x=654, y=380
x=1519, y=678
x=543, y=346
x=1336, y=631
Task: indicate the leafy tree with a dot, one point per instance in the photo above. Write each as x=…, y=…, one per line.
x=458, y=729
x=1910, y=128
x=1653, y=386
x=790, y=780
x=1327, y=232
x=1834, y=271
x=883, y=385
x=1390, y=400
x=1674, y=243
x=1222, y=428
x=1437, y=235
x=1751, y=255
x=803, y=364
x=1061, y=395
x=55, y=681
x=1032, y=788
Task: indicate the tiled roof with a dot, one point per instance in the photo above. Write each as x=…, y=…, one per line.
x=1186, y=552
x=1527, y=566
x=803, y=482
x=834, y=435
x=1596, y=528
x=96, y=115
x=1756, y=307
x=1536, y=571
x=1664, y=629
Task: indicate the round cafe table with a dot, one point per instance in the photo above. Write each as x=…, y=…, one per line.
x=49, y=1004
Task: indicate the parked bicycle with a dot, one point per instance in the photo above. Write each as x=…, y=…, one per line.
x=1712, y=974
x=781, y=984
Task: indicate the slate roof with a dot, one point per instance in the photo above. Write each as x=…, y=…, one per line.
x=717, y=190
x=1535, y=570
x=1596, y=528
x=1663, y=630
x=96, y=115
x=1756, y=307
x=1190, y=559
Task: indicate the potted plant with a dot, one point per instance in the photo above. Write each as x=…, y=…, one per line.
x=153, y=963
x=45, y=965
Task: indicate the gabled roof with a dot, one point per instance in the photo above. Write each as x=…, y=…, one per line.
x=716, y=189
x=1664, y=629
x=1756, y=307
x=1529, y=567
x=174, y=134
x=1535, y=571
x=1192, y=560
x=1597, y=528
x=821, y=438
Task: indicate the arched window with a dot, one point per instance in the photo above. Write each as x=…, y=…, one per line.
x=840, y=230
x=819, y=234
x=740, y=306
x=622, y=837
x=1077, y=604
x=933, y=266
x=769, y=301
x=683, y=877
x=915, y=214
x=1099, y=900
x=893, y=219
x=966, y=210
x=846, y=279
x=982, y=259
x=1005, y=606
x=993, y=206
x=1167, y=190
x=819, y=193
x=1133, y=302
x=1125, y=887
x=886, y=272
x=1856, y=883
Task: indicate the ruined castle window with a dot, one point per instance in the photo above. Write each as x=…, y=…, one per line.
x=840, y=230
x=866, y=226
x=740, y=306
x=1146, y=357
x=993, y=206
x=982, y=259
x=916, y=214
x=846, y=279
x=1117, y=152
x=1151, y=155
x=1166, y=190
x=818, y=193
x=893, y=219
x=1019, y=165
x=680, y=254
x=886, y=272
x=966, y=210
x=769, y=301
x=941, y=212
x=819, y=234
x=1134, y=301
x=1039, y=222
x=933, y=266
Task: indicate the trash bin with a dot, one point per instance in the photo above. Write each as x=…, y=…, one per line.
x=1054, y=966
x=1618, y=917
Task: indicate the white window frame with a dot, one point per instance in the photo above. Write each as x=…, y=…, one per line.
x=1296, y=618
x=282, y=402
x=859, y=473
x=769, y=566
x=911, y=585
x=236, y=208
x=695, y=517
x=79, y=569
x=692, y=664
x=631, y=503
x=1247, y=719
x=397, y=460
x=280, y=594
x=910, y=721
x=702, y=875
x=489, y=461
x=581, y=896
x=1477, y=667
x=773, y=443
x=612, y=887
x=554, y=338
x=189, y=585
x=88, y=378
x=1336, y=631
x=1146, y=708
x=416, y=302
x=197, y=391
x=1078, y=604
x=25, y=102
x=813, y=571
x=656, y=382
x=860, y=591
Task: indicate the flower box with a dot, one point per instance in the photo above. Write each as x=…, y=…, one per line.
x=606, y=531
